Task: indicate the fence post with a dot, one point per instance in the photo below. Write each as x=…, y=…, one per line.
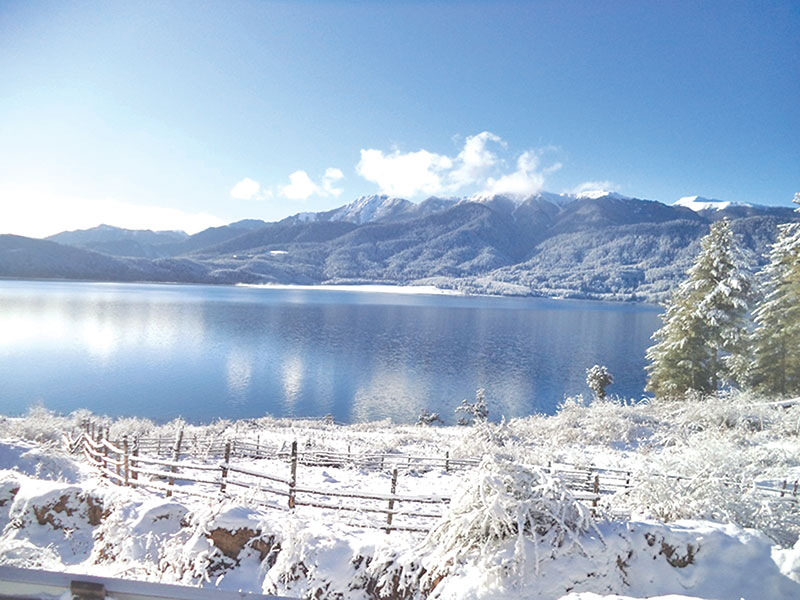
x=293, y=475
x=126, y=463
x=135, y=475
x=391, y=502
x=104, y=453
x=119, y=459
x=447, y=461
x=176, y=454
x=224, y=482
x=596, y=490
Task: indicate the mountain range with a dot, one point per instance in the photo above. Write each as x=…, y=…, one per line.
x=595, y=245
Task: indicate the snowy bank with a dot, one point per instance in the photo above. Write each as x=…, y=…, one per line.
x=370, y=288
x=696, y=521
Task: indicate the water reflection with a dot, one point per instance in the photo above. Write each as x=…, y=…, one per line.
x=206, y=352
x=238, y=375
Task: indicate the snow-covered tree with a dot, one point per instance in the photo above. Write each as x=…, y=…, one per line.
x=776, y=339
x=702, y=343
x=474, y=411
x=598, y=379
x=429, y=418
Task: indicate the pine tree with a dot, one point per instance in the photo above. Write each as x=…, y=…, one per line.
x=598, y=379
x=702, y=343
x=776, y=338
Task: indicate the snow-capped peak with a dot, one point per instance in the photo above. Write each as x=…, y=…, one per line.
x=517, y=199
x=698, y=203
x=369, y=208
x=594, y=194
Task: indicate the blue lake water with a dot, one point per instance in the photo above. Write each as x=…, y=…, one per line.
x=207, y=352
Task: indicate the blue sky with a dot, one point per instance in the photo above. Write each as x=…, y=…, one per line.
x=189, y=114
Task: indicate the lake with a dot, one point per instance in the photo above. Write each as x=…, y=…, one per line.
x=207, y=352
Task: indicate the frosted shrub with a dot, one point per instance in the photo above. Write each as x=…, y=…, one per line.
x=38, y=425
x=711, y=477
x=606, y=422
x=429, y=418
x=504, y=502
x=132, y=427
x=474, y=412
x=598, y=379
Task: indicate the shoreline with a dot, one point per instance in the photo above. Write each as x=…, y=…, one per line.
x=374, y=288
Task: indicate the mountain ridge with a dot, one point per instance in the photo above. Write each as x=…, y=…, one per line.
x=603, y=245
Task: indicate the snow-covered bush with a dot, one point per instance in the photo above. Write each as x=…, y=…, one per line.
x=504, y=503
x=598, y=379
x=474, y=412
x=711, y=476
x=42, y=425
x=429, y=418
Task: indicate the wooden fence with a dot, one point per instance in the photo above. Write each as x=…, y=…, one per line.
x=209, y=447
x=156, y=464
x=123, y=464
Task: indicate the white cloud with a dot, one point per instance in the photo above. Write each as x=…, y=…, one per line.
x=38, y=212
x=477, y=168
x=404, y=174
x=301, y=186
x=475, y=160
x=246, y=189
x=526, y=180
x=332, y=175
x=592, y=186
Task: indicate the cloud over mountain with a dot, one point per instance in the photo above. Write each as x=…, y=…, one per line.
x=478, y=167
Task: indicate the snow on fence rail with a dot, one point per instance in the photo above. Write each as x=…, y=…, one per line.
x=122, y=464
x=213, y=447
x=125, y=463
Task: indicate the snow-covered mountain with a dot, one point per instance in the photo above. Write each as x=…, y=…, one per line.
x=596, y=244
x=698, y=203
x=375, y=208
x=595, y=194
x=367, y=209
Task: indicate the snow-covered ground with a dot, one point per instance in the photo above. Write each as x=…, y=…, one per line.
x=371, y=288
x=696, y=525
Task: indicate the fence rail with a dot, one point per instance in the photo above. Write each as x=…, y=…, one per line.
x=123, y=464
x=164, y=465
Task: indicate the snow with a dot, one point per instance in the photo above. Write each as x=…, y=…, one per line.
x=698, y=203
x=369, y=288
x=595, y=194
x=365, y=209
x=512, y=530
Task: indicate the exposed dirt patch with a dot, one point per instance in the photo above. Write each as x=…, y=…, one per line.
x=67, y=504
x=670, y=552
x=95, y=511
x=676, y=560
x=230, y=543
x=11, y=494
x=44, y=514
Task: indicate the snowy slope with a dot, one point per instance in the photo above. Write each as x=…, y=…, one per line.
x=698, y=203
x=512, y=530
x=368, y=209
